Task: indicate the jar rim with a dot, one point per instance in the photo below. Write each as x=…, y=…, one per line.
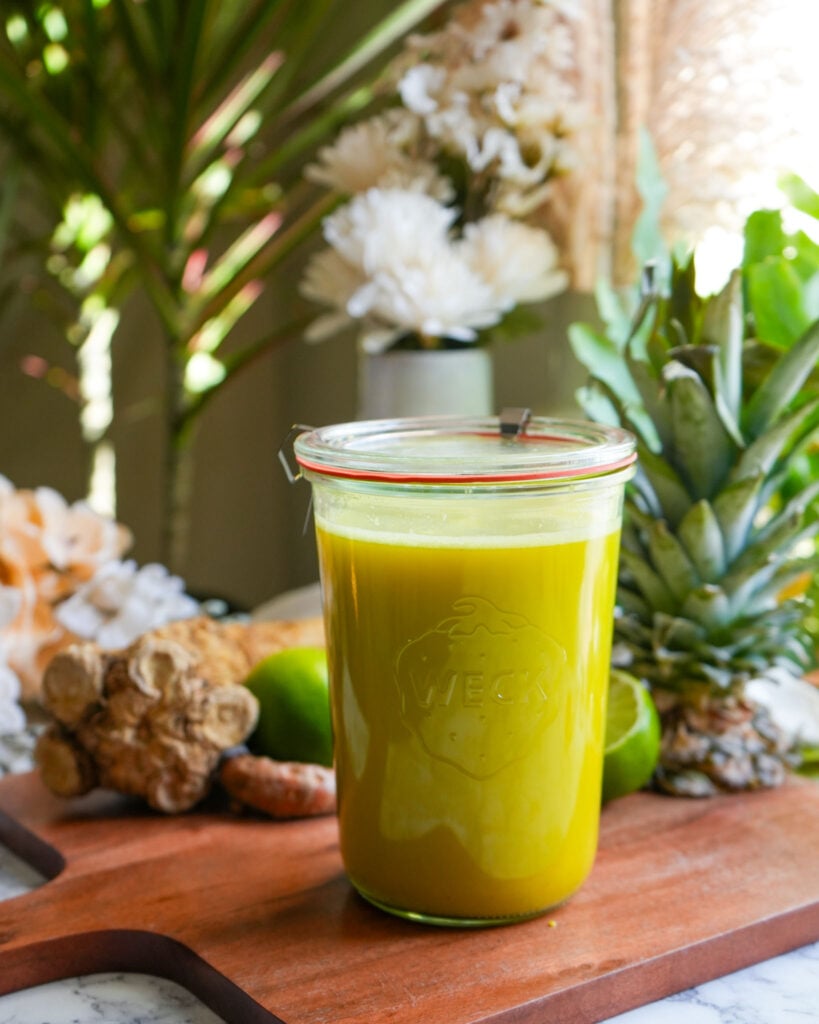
x=460, y=450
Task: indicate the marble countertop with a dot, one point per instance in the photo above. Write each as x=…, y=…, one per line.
x=778, y=991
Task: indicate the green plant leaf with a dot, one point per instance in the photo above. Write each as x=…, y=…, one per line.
x=702, y=448
x=764, y=236
x=777, y=300
x=615, y=312
x=604, y=361
x=782, y=384
x=761, y=456
x=800, y=194
x=701, y=535
x=406, y=16
x=735, y=508
x=670, y=558
x=671, y=492
x=649, y=583
x=723, y=326
x=708, y=605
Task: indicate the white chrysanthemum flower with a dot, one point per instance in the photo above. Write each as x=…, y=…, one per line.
x=330, y=281
x=121, y=602
x=520, y=263
x=404, y=273
x=379, y=153
x=494, y=87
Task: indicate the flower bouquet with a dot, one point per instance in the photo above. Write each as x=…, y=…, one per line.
x=433, y=245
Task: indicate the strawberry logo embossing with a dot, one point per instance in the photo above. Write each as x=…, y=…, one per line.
x=478, y=687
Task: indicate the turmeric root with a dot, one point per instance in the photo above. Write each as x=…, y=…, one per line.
x=282, y=789
x=153, y=720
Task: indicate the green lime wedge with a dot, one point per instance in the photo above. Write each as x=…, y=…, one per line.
x=632, y=736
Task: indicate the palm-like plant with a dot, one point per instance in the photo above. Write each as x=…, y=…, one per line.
x=156, y=147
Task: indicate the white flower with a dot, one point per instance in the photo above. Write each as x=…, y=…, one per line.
x=330, y=281
x=121, y=602
x=379, y=153
x=402, y=270
x=517, y=261
x=494, y=86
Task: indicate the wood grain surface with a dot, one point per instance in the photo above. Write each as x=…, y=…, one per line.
x=257, y=919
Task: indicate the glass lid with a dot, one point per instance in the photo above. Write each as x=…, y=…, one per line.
x=444, y=449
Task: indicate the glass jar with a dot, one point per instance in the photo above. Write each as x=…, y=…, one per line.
x=468, y=571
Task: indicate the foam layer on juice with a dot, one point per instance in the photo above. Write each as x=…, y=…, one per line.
x=566, y=535
x=470, y=520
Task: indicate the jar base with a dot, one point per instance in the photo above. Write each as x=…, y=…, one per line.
x=448, y=921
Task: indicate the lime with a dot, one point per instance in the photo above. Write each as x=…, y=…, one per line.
x=294, y=706
x=632, y=736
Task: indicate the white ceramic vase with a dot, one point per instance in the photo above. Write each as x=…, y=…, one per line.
x=452, y=381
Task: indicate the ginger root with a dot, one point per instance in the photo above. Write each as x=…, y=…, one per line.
x=154, y=720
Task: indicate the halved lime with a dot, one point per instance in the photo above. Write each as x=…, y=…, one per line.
x=632, y=736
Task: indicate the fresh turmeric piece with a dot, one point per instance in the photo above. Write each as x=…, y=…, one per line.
x=282, y=789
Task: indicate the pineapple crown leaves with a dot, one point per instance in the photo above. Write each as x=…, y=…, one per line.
x=709, y=545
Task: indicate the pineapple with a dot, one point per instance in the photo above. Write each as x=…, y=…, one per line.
x=710, y=546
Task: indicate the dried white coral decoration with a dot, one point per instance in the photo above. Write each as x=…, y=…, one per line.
x=121, y=602
x=61, y=578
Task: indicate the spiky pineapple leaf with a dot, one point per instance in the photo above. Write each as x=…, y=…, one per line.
x=671, y=494
x=778, y=543
x=631, y=602
x=703, y=449
x=723, y=326
x=685, y=306
x=656, y=409
x=702, y=537
x=649, y=583
x=669, y=557
x=781, y=386
x=761, y=456
x=735, y=508
x=708, y=605
x=675, y=633
x=744, y=584
x=792, y=512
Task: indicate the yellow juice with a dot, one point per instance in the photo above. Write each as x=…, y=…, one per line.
x=469, y=681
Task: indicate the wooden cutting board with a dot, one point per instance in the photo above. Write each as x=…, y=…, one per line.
x=257, y=919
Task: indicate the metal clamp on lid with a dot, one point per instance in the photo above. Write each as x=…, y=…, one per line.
x=292, y=471
x=513, y=422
